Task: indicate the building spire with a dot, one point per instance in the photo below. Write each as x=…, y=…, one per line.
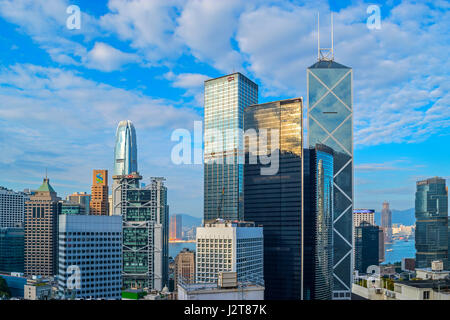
x=325, y=54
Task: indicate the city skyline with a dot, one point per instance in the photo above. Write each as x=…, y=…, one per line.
x=81, y=83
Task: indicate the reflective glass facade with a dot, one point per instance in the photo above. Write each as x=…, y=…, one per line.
x=12, y=244
x=125, y=151
x=275, y=201
x=431, y=222
x=330, y=122
x=366, y=246
x=318, y=223
x=225, y=100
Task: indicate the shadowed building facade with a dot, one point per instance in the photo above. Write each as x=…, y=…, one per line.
x=317, y=265
x=431, y=222
x=330, y=122
x=274, y=200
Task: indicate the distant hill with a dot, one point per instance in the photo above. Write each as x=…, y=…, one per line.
x=405, y=217
x=189, y=221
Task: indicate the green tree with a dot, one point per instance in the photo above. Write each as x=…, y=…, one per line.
x=4, y=289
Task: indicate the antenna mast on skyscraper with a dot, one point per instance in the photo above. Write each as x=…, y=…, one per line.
x=325, y=54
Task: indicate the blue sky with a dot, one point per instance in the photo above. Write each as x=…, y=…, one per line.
x=62, y=92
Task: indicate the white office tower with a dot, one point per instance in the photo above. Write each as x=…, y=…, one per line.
x=12, y=208
x=224, y=246
x=90, y=257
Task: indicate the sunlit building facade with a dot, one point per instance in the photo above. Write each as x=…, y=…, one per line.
x=274, y=200
x=125, y=151
x=225, y=101
x=330, y=122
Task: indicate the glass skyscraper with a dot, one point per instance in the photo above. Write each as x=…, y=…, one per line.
x=330, y=122
x=225, y=100
x=125, y=151
x=317, y=266
x=366, y=246
x=12, y=244
x=275, y=200
x=431, y=222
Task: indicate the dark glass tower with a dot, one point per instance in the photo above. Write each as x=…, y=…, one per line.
x=318, y=223
x=330, y=122
x=431, y=222
x=12, y=249
x=275, y=200
x=366, y=246
x=225, y=101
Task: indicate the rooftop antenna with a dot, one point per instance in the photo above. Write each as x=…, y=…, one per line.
x=46, y=173
x=325, y=54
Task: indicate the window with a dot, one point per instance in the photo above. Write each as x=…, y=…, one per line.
x=426, y=295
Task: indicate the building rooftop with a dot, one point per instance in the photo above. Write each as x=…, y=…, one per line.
x=325, y=64
x=46, y=187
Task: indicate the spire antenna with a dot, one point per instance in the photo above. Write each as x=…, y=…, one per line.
x=325, y=54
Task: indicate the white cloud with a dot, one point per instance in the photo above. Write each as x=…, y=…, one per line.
x=192, y=82
x=106, y=58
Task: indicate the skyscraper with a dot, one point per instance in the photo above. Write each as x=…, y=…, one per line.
x=175, y=227
x=225, y=100
x=275, y=200
x=431, y=222
x=386, y=222
x=99, y=205
x=41, y=227
x=145, y=216
x=317, y=261
x=12, y=207
x=125, y=151
x=330, y=122
x=366, y=246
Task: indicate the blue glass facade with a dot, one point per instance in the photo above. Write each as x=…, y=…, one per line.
x=275, y=201
x=431, y=222
x=225, y=101
x=318, y=223
x=366, y=246
x=125, y=151
x=330, y=122
x=12, y=246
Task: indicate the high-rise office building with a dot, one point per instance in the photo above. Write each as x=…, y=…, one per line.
x=125, y=157
x=99, y=205
x=275, y=200
x=82, y=198
x=12, y=208
x=363, y=215
x=223, y=246
x=317, y=260
x=12, y=250
x=125, y=151
x=381, y=246
x=431, y=222
x=99, y=239
x=386, y=222
x=185, y=267
x=41, y=227
x=225, y=101
x=330, y=122
x=145, y=216
x=175, y=227
x=366, y=246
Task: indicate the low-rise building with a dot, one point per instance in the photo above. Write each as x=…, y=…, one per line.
x=38, y=288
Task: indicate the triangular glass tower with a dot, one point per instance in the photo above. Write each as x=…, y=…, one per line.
x=330, y=122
